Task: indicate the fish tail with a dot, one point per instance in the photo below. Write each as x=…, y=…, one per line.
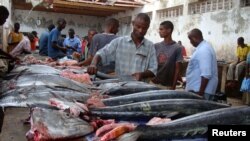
x=132, y=136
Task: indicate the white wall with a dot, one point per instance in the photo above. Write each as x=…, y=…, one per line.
x=81, y=24
x=221, y=28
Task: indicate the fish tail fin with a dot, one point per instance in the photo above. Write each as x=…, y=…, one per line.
x=132, y=136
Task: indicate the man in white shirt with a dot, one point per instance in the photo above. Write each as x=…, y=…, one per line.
x=23, y=46
x=202, y=73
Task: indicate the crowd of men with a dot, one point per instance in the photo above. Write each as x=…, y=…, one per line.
x=134, y=55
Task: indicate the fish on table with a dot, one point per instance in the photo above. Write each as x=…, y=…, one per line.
x=149, y=95
x=190, y=126
x=47, y=124
x=44, y=80
x=125, y=87
x=181, y=107
x=23, y=98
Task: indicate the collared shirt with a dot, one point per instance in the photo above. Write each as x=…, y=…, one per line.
x=128, y=58
x=24, y=45
x=72, y=42
x=43, y=43
x=54, y=37
x=202, y=63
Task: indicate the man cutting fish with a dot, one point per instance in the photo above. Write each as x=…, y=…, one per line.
x=133, y=55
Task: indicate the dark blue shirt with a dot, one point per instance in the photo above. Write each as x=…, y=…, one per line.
x=54, y=37
x=43, y=44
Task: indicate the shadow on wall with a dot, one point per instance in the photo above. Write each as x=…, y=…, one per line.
x=44, y=22
x=227, y=53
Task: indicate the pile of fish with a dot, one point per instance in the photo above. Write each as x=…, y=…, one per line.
x=63, y=109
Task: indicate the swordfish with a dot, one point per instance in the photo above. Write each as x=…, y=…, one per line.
x=45, y=80
x=182, y=107
x=189, y=126
x=149, y=95
x=126, y=87
x=23, y=99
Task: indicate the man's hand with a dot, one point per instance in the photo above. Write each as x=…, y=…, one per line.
x=92, y=69
x=138, y=76
x=201, y=94
x=69, y=47
x=64, y=49
x=76, y=55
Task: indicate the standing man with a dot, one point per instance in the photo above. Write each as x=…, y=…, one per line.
x=202, y=74
x=4, y=57
x=72, y=43
x=43, y=41
x=55, y=51
x=86, y=43
x=236, y=68
x=169, y=57
x=100, y=40
x=133, y=55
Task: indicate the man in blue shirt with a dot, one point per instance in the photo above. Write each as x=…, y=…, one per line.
x=72, y=43
x=202, y=73
x=43, y=41
x=56, y=51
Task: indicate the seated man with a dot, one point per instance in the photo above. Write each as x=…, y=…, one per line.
x=23, y=46
x=14, y=37
x=236, y=68
x=72, y=43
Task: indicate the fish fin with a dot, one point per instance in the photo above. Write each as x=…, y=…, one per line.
x=50, y=87
x=185, y=134
x=21, y=73
x=172, y=114
x=193, y=133
x=203, y=131
x=58, y=96
x=132, y=136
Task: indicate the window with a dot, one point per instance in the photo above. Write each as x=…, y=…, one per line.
x=149, y=14
x=170, y=12
x=227, y=4
x=214, y=5
x=245, y=3
x=203, y=7
x=209, y=6
x=220, y=4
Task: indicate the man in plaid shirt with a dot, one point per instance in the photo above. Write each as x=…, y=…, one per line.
x=133, y=55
